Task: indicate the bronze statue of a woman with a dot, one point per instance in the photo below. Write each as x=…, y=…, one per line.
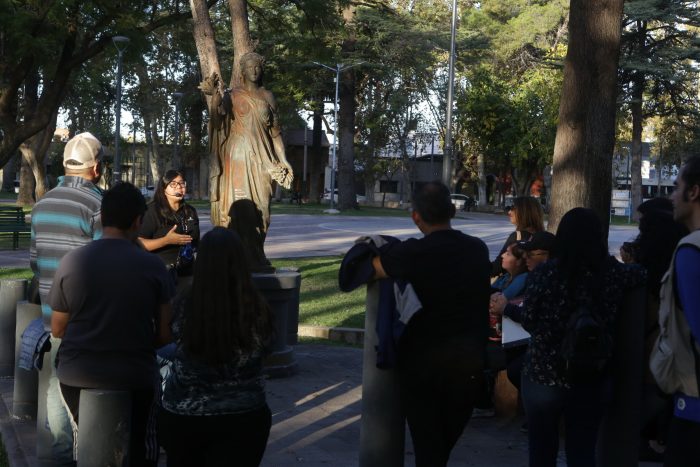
x=248, y=148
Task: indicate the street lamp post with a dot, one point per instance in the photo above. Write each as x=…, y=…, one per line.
x=177, y=97
x=338, y=68
x=120, y=42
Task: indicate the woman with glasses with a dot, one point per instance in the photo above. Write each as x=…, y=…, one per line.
x=528, y=217
x=170, y=226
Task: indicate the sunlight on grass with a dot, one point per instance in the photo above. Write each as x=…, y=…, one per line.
x=322, y=303
x=15, y=273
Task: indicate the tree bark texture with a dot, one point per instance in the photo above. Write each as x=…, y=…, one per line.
x=636, y=149
x=316, y=153
x=346, y=117
x=586, y=131
x=241, y=37
x=346, y=153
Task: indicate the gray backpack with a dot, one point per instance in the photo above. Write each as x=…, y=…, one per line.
x=675, y=359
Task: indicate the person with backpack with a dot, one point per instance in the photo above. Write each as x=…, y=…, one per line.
x=571, y=303
x=675, y=359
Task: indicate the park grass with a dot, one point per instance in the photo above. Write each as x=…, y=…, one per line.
x=321, y=302
x=16, y=273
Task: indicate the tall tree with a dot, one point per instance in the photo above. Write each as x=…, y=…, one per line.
x=658, y=68
x=54, y=39
x=583, y=148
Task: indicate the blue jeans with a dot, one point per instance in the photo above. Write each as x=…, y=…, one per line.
x=582, y=407
x=57, y=416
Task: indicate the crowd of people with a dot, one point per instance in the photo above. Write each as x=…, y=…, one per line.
x=118, y=279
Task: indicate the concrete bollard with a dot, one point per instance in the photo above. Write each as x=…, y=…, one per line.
x=11, y=292
x=618, y=440
x=292, y=311
x=24, y=397
x=44, y=438
x=382, y=428
x=103, y=428
x=279, y=289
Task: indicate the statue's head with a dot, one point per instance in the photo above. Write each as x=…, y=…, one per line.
x=249, y=62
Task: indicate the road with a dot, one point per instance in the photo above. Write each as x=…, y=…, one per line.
x=295, y=236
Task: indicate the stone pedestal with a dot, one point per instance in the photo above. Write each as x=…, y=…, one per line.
x=11, y=292
x=281, y=290
x=26, y=381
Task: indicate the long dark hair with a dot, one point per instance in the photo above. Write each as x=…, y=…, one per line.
x=580, y=245
x=225, y=315
x=165, y=214
x=528, y=214
x=656, y=242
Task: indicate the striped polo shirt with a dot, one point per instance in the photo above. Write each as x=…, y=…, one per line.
x=66, y=218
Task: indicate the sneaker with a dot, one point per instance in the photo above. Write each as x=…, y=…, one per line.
x=483, y=413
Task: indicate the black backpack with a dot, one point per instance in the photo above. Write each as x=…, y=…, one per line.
x=587, y=346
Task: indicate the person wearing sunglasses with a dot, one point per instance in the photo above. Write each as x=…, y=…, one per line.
x=170, y=226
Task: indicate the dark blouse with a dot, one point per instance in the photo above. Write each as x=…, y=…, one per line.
x=154, y=227
x=196, y=388
x=547, y=309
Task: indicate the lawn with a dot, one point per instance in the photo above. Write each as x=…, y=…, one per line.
x=321, y=302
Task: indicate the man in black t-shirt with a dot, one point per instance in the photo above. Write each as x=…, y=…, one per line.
x=111, y=306
x=441, y=353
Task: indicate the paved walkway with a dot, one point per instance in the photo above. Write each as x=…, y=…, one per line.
x=316, y=420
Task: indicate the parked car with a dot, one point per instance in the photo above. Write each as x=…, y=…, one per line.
x=462, y=202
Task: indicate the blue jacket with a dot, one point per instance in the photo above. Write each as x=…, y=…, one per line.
x=397, y=300
x=35, y=341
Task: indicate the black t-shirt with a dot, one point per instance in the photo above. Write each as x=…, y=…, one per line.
x=449, y=271
x=154, y=227
x=112, y=290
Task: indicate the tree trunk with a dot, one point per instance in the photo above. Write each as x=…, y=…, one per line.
x=316, y=162
x=482, y=180
x=346, y=123
x=241, y=37
x=34, y=164
x=636, y=150
x=26, y=183
x=585, y=138
x=156, y=161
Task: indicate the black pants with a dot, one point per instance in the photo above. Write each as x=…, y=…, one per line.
x=438, y=388
x=683, y=447
x=215, y=440
x=141, y=411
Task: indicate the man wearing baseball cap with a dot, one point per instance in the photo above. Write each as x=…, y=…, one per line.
x=67, y=217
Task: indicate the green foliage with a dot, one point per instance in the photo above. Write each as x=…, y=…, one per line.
x=513, y=127
x=659, y=52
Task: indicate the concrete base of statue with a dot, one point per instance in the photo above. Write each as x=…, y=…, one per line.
x=281, y=290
